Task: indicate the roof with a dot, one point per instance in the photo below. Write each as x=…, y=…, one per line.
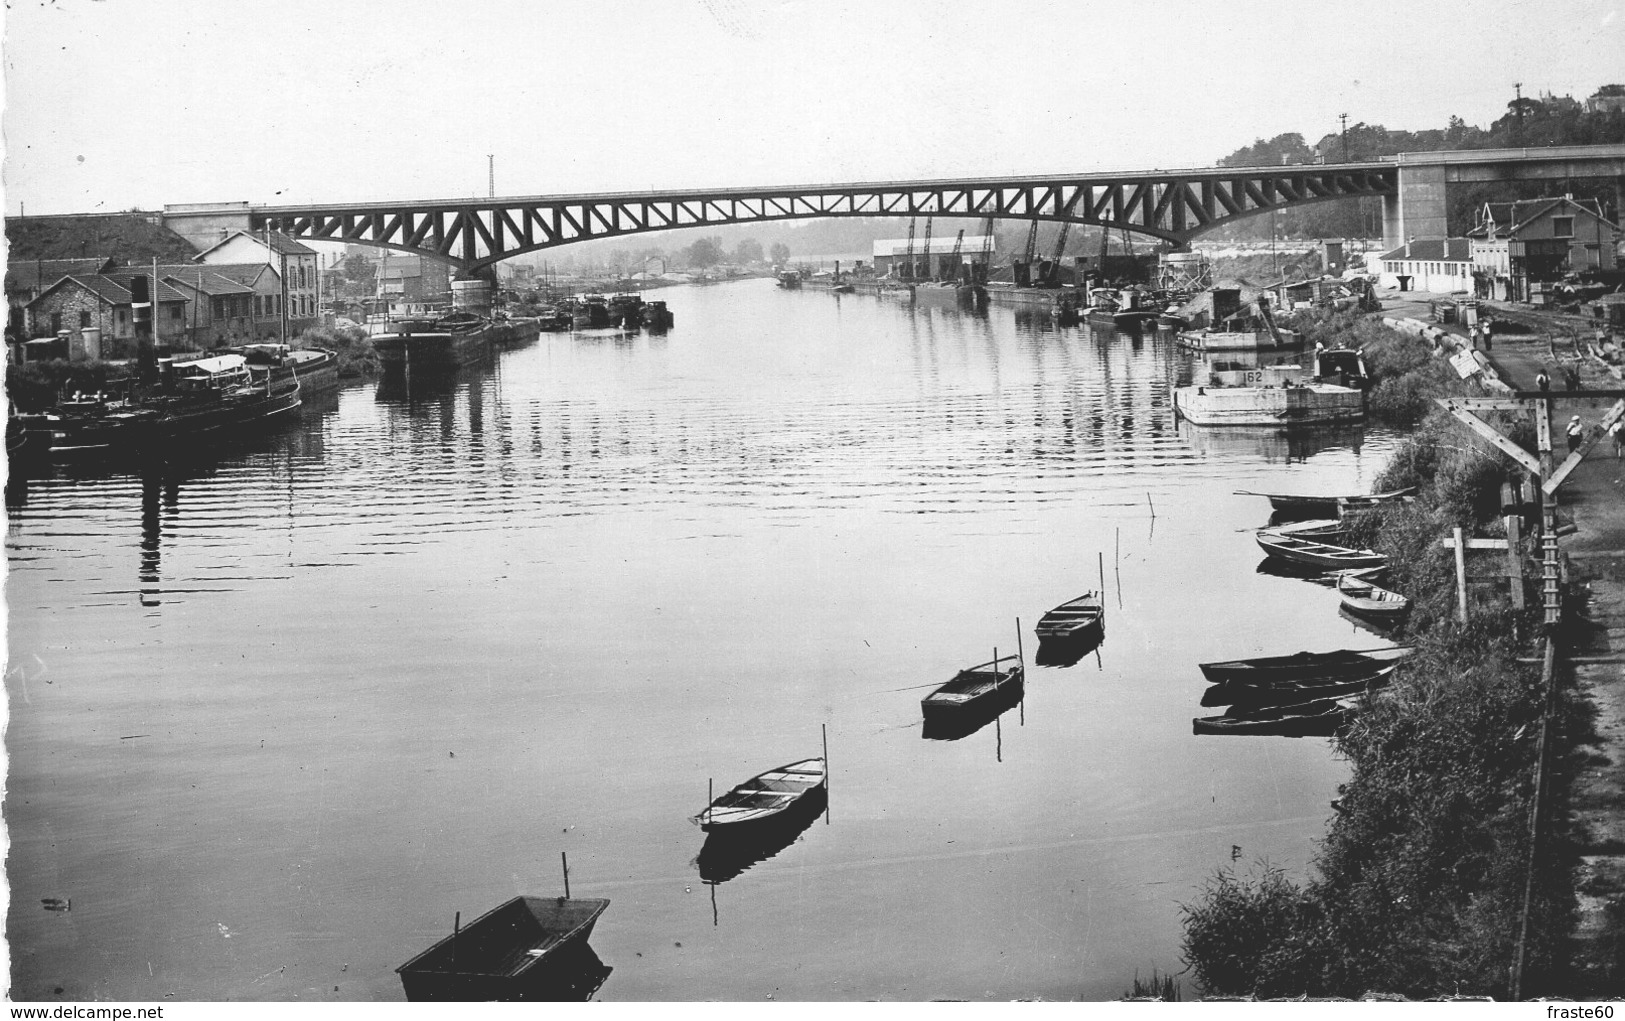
x=112, y=289
x=281, y=244
x=1507, y=218
x=245, y=273
x=122, y=279
x=943, y=245
x=32, y=274
x=205, y=280
x=1434, y=250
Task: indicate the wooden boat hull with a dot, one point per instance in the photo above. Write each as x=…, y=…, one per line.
x=1317, y=554
x=1241, y=695
x=972, y=691
x=1313, y=719
x=1302, y=666
x=1295, y=506
x=762, y=801
x=518, y=950
x=1074, y=619
x=1364, y=599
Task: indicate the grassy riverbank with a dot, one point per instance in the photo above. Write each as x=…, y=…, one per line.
x=1420, y=884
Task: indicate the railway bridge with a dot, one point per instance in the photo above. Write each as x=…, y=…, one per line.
x=1172, y=205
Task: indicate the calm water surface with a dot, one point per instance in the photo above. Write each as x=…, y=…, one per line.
x=278, y=715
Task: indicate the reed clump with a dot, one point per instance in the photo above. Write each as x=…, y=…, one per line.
x=356, y=356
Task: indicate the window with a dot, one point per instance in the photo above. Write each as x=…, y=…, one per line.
x=56, y=321
x=84, y=319
x=217, y=309
x=1562, y=226
x=258, y=307
x=176, y=312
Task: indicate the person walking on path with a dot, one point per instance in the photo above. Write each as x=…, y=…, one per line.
x=1576, y=433
x=1617, y=431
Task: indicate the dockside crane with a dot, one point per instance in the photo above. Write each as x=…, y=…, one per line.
x=908, y=257
x=987, y=251
x=1053, y=279
x=953, y=260
x=928, y=274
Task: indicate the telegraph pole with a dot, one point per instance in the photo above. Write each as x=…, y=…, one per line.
x=1344, y=118
x=1517, y=110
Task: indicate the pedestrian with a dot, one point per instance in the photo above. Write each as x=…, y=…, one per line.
x=1617, y=431
x=1543, y=381
x=1484, y=327
x=1576, y=433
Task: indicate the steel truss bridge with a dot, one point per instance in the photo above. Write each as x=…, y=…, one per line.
x=1172, y=205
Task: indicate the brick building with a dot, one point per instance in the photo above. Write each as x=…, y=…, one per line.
x=27, y=279
x=220, y=310
x=264, y=300
x=100, y=306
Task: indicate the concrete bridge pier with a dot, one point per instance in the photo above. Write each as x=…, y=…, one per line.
x=1418, y=209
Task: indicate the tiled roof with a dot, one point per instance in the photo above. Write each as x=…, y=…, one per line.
x=31, y=274
x=1509, y=217
x=1433, y=250
x=244, y=273
x=281, y=244
x=203, y=279
x=111, y=288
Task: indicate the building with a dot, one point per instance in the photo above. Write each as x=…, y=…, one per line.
x=891, y=257
x=413, y=278
x=264, y=301
x=96, y=311
x=1608, y=99
x=27, y=279
x=297, y=268
x=1430, y=264
x=1516, y=245
x=220, y=309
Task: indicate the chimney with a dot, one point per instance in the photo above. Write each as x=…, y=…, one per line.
x=1408, y=248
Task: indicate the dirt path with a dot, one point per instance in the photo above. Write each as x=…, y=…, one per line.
x=1593, y=498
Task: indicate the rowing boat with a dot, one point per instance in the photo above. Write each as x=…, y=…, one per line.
x=522, y=949
x=1073, y=619
x=1306, y=506
x=1237, y=694
x=974, y=687
x=1317, y=554
x=1364, y=599
x=766, y=797
x=1303, y=666
x=1320, y=718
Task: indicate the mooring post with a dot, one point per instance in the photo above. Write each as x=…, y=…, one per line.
x=1514, y=560
x=1461, y=577
x=565, y=858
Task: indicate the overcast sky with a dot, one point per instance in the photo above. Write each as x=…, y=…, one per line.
x=113, y=104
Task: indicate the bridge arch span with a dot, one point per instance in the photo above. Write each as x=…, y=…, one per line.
x=1171, y=206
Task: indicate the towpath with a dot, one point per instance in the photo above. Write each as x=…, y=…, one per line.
x=1593, y=498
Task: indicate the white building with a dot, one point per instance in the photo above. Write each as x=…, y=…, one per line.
x=297, y=268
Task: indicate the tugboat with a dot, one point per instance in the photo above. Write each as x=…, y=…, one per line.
x=657, y=317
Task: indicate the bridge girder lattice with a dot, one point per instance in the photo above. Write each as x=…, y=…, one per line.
x=476, y=233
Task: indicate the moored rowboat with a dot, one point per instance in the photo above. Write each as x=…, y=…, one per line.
x=1324, y=506
x=1317, y=554
x=1073, y=619
x=974, y=687
x=764, y=797
x=1302, y=666
x=1365, y=599
x=1321, y=718
x=508, y=953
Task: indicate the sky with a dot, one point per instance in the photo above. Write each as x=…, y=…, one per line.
x=120, y=104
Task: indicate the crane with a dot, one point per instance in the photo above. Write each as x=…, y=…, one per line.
x=909, y=256
x=959, y=242
x=1032, y=243
x=1060, y=249
x=987, y=251
x=928, y=275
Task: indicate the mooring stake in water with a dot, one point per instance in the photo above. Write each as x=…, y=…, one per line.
x=564, y=857
x=823, y=728
x=1021, y=661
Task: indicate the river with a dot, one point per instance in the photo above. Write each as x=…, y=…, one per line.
x=278, y=715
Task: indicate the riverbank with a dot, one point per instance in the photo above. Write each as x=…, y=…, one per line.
x=1426, y=885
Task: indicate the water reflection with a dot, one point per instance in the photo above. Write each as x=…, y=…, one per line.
x=1065, y=652
x=1283, y=444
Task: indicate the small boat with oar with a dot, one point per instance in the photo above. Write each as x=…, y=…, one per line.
x=1303, y=666
x=975, y=688
x=1073, y=619
x=1307, y=506
x=1320, y=555
x=1318, y=529
x=1320, y=718
x=1363, y=598
x=765, y=798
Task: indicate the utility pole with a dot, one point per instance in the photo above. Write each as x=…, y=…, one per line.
x=1517, y=110
x=1345, y=119
x=491, y=176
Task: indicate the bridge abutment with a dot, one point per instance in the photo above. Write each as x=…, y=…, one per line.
x=206, y=224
